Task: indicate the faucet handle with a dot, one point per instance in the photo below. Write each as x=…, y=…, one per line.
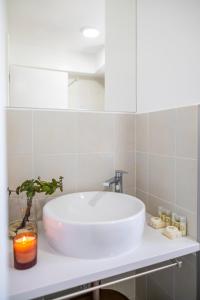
x=119, y=173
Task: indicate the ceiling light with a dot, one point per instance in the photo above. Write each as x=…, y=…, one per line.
x=90, y=32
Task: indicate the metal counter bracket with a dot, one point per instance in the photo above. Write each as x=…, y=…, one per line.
x=176, y=263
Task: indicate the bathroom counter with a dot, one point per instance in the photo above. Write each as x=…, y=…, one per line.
x=55, y=272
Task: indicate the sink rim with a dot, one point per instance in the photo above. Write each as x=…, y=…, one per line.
x=88, y=223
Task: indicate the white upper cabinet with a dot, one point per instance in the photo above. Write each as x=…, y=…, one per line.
x=120, y=69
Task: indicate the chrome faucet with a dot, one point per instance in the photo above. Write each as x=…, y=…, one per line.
x=116, y=181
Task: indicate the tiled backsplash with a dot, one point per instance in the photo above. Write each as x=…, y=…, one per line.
x=159, y=152
x=166, y=159
x=85, y=148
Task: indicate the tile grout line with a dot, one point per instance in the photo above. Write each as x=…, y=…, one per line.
x=175, y=162
x=148, y=159
x=32, y=138
x=167, y=202
x=76, y=184
x=114, y=142
x=135, y=156
x=167, y=156
x=198, y=174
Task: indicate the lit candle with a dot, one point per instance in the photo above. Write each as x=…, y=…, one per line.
x=25, y=250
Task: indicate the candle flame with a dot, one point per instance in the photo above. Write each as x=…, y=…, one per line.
x=23, y=239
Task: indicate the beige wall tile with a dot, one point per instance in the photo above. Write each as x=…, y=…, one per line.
x=16, y=205
x=96, y=132
x=40, y=201
x=107, y=142
x=19, y=131
x=56, y=136
x=142, y=171
x=124, y=133
x=93, y=170
x=126, y=162
x=162, y=132
x=53, y=166
x=162, y=177
x=143, y=196
x=172, y=180
x=152, y=208
x=186, y=183
x=191, y=220
x=55, y=132
x=154, y=202
x=19, y=169
x=142, y=132
x=130, y=191
x=186, y=131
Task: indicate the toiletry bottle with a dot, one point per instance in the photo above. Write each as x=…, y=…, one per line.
x=167, y=217
x=161, y=213
x=183, y=225
x=177, y=222
x=160, y=209
x=173, y=219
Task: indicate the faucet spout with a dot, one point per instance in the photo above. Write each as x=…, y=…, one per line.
x=116, y=181
x=109, y=182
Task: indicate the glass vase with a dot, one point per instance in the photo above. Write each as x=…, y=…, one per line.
x=17, y=209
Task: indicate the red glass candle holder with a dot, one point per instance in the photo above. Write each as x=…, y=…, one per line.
x=25, y=250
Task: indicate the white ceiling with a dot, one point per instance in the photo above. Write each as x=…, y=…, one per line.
x=50, y=23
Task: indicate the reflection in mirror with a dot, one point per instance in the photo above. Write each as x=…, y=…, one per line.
x=58, y=49
x=86, y=92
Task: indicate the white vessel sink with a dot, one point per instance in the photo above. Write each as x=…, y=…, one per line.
x=94, y=224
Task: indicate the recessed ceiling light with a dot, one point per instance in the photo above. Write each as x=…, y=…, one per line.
x=89, y=32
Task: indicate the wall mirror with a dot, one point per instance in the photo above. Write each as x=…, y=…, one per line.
x=72, y=54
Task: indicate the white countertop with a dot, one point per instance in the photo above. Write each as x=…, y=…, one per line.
x=55, y=272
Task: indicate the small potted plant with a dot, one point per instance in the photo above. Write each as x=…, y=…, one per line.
x=31, y=188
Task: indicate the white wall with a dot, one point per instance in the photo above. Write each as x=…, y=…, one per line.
x=86, y=93
x=120, y=80
x=3, y=200
x=38, y=88
x=168, y=53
